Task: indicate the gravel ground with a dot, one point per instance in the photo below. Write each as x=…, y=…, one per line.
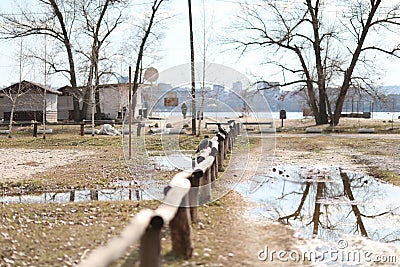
x=21, y=162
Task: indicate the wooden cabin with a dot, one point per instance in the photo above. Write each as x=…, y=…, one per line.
x=29, y=100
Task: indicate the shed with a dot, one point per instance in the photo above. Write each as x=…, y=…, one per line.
x=28, y=98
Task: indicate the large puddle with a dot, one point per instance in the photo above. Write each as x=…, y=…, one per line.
x=125, y=190
x=122, y=190
x=175, y=160
x=77, y=196
x=327, y=202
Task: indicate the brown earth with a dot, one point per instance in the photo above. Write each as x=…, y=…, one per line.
x=60, y=234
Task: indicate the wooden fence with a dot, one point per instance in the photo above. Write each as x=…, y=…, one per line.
x=185, y=192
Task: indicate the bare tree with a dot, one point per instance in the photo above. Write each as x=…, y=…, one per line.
x=316, y=48
x=14, y=95
x=98, y=20
x=57, y=20
x=204, y=48
x=64, y=21
x=147, y=30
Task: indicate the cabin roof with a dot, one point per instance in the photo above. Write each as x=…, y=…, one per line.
x=27, y=86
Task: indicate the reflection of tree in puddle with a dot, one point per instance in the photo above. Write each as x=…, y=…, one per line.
x=120, y=193
x=333, y=202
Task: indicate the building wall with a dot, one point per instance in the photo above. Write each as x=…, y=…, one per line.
x=112, y=100
x=31, y=102
x=64, y=105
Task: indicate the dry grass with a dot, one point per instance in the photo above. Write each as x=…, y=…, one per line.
x=346, y=125
x=60, y=234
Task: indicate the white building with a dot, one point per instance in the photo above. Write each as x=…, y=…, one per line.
x=28, y=98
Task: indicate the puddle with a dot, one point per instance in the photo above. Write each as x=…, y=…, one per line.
x=326, y=202
x=175, y=160
x=122, y=193
x=121, y=190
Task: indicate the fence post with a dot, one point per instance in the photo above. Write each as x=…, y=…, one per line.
x=226, y=145
x=205, y=186
x=35, y=124
x=220, y=155
x=150, y=244
x=194, y=194
x=181, y=232
x=231, y=137
x=214, y=172
x=82, y=128
x=139, y=129
x=237, y=128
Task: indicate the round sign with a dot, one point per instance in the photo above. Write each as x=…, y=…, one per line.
x=151, y=74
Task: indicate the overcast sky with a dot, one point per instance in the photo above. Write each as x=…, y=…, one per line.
x=175, y=46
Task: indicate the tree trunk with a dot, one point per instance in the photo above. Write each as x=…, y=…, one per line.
x=136, y=80
x=71, y=62
x=97, y=91
x=11, y=120
x=192, y=69
x=349, y=72
x=322, y=116
x=85, y=105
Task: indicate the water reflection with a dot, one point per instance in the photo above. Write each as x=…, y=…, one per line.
x=123, y=193
x=172, y=161
x=329, y=202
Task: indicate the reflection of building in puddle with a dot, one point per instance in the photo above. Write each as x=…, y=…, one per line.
x=329, y=202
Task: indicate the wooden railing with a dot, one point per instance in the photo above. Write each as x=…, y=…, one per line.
x=185, y=192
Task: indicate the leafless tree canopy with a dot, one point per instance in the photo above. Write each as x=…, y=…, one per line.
x=320, y=44
x=81, y=31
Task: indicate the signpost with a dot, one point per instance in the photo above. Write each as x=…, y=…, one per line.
x=282, y=116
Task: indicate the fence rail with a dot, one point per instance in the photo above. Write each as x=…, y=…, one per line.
x=184, y=193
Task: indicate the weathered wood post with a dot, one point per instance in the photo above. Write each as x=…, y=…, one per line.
x=214, y=171
x=35, y=125
x=181, y=232
x=214, y=165
x=150, y=244
x=231, y=137
x=226, y=144
x=194, y=194
x=222, y=154
x=238, y=125
x=82, y=128
x=72, y=196
x=221, y=151
x=139, y=129
x=205, y=186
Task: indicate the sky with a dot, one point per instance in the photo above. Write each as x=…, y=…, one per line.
x=175, y=48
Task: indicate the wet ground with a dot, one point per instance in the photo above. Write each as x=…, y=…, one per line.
x=121, y=190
